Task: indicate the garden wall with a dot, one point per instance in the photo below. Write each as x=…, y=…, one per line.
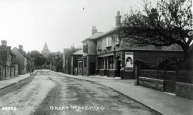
x=152, y=83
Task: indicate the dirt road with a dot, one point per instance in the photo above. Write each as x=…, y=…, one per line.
x=47, y=93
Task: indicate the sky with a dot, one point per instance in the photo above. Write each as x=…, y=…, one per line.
x=59, y=23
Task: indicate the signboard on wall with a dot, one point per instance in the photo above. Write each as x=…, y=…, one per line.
x=129, y=61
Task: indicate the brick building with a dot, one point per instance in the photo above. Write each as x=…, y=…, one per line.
x=114, y=57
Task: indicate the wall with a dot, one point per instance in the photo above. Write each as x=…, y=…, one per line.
x=152, y=83
x=20, y=58
x=102, y=44
x=2, y=75
x=184, y=90
x=16, y=70
x=74, y=63
x=91, y=47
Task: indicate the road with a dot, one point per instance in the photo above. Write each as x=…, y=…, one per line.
x=48, y=93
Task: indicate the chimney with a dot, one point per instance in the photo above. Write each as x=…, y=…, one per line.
x=118, y=19
x=21, y=47
x=9, y=47
x=4, y=43
x=94, y=30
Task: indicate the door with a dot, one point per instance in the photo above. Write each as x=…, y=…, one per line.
x=118, y=68
x=92, y=68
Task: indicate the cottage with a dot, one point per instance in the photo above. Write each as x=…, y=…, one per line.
x=8, y=62
x=25, y=62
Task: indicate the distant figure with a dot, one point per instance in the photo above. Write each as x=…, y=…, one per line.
x=128, y=62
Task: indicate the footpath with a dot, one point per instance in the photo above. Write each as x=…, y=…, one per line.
x=162, y=102
x=11, y=81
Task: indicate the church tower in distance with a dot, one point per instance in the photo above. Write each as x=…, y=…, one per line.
x=45, y=50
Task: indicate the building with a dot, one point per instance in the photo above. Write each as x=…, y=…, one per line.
x=74, y=61
x=8, y=62
x=66, y=59
x=26, y=64
x=114, y=57
x=45, y=52
x=89, y=53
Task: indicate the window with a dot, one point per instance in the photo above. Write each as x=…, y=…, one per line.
x=111, y=62
x=108, y=41
x=99, y=45
x=101, y=63
x=85, y=62
x=117, y=41
x=85, y=48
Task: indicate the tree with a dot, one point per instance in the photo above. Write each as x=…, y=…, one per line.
x=39, y=58
x=56, y=58
x=169, y=23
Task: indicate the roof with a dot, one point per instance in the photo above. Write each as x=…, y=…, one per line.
x=79, y=52
x=94, y=36
x=23, y=53
x=69, y=51
x=112, y=30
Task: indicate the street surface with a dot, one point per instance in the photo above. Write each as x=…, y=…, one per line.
x=48, y=93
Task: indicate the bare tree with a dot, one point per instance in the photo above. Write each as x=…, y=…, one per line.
x=170, y=22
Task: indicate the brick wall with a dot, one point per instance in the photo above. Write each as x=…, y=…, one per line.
x=151, y=57
x=152, y=83
x=184, y=90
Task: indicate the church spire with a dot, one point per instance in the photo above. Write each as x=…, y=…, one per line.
x=45, y=47
x=45, y=50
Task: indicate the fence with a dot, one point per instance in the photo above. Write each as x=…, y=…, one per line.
x=178, y=82
x=178, y=76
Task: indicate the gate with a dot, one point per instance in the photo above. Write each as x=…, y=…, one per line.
x=170, y=81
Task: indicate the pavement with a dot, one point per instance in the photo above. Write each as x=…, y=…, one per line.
x=11, y=81
x=162, y=102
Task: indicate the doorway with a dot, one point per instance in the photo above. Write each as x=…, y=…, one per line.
x=118, y=68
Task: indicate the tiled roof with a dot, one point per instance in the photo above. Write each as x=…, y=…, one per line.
x=79, y=52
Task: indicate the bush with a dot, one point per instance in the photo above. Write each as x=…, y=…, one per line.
x=172, y=63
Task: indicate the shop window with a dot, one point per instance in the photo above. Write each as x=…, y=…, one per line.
x=111, y=62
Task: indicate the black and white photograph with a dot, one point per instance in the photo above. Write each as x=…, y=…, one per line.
x=96, y=57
